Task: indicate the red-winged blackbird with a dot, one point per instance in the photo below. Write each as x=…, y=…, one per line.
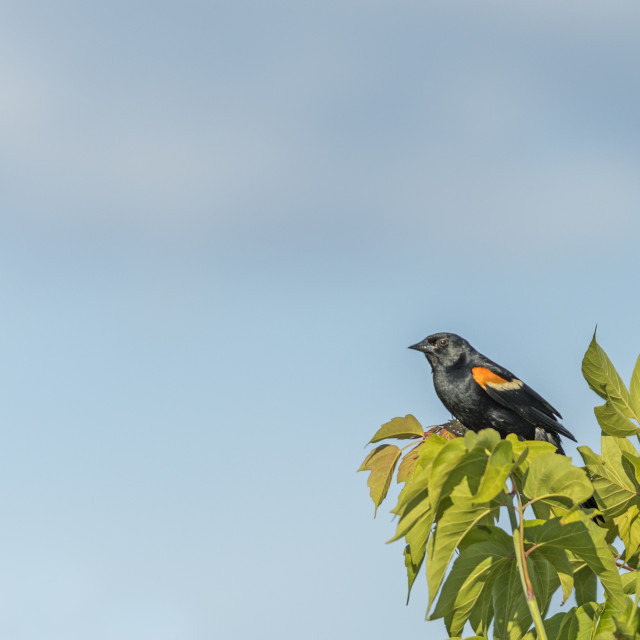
x=480, y=393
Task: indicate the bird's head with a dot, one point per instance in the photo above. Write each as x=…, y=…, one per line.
x=443, y=349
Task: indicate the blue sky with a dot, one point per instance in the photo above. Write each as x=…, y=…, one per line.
x=221, y=228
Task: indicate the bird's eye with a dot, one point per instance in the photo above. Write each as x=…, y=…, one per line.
x=443, y=342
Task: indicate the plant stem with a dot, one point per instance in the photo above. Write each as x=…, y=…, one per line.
x=526, y=586
x=521, y=559
x=621, y=565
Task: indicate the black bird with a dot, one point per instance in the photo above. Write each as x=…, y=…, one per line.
x=480, y=394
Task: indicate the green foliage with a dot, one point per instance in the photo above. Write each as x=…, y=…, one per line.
x=382, y=463
x=400, y=429
x=498, y=580
x=620, y=414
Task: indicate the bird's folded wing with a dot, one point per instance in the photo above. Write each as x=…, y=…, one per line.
x=512, y=393
x=522, y=400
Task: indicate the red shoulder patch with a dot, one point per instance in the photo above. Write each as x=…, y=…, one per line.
x=483, y=376
x=486, y=378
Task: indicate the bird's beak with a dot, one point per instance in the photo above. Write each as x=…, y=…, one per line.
x=423, y=346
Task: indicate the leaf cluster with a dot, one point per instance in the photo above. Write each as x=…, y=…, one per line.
x=498, y=527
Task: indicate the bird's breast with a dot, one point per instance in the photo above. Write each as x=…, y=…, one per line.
x=458, y=392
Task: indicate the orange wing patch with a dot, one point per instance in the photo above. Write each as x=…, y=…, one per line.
x=486, y=378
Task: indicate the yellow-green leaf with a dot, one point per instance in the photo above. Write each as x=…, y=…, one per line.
x=631, y=582
x=470, y=585
x=525, y=451
x=553, y=479
x=463, y=482
x=413, y=512
x=399, y=429
x=485, y=439
x=634, y=388
x=599, y=372
x=512, y=615
x=586, y=585
x=429, y=450
x=405, y=470
x=585, y=540
x=613, y=480
x=446, y=460
x=497, y=471
x=633, y=460
x=418, y=483
x=628, y=524
x=382, y=463
x=552, y=625
x=416, y=548
x=454, y=524
x=613, y=422
x=579, y=623
x=412, y=565
x=557, y=558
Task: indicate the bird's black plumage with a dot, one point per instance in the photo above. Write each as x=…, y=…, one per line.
x=480, y=393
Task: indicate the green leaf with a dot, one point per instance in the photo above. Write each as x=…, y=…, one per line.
x=586, y=584
x=600, y=373
x=552, y=625
x=414, y=489
x=446, y=460
x=580, y=622
x=636, y=591
x=412, y=564
x=623, y=630
x=613, y=447
x=382, y=463
x=407, y=466
x=622, y=404
x=418, y=483
x=634, y=461
x=553, y=479
x=544, y=579
x=414, y=511
x=456, y=522
x=486, y=439
x=512, y=616
x=481, y=615
x=399, y=429
x=497, y=471
x=634, y=389
x=616, y=414
x=631, y=582
x=416, y=548
x=471, y=598
x=419, y=534
x=617, y=624
x=526, y=451
x=534, y=448
x=613, y=422
x=612, y=477
x=636, y=599
x=463, y=482
x=587, y=541
x=557, y=558
x=429, y=450
x=469, y=585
